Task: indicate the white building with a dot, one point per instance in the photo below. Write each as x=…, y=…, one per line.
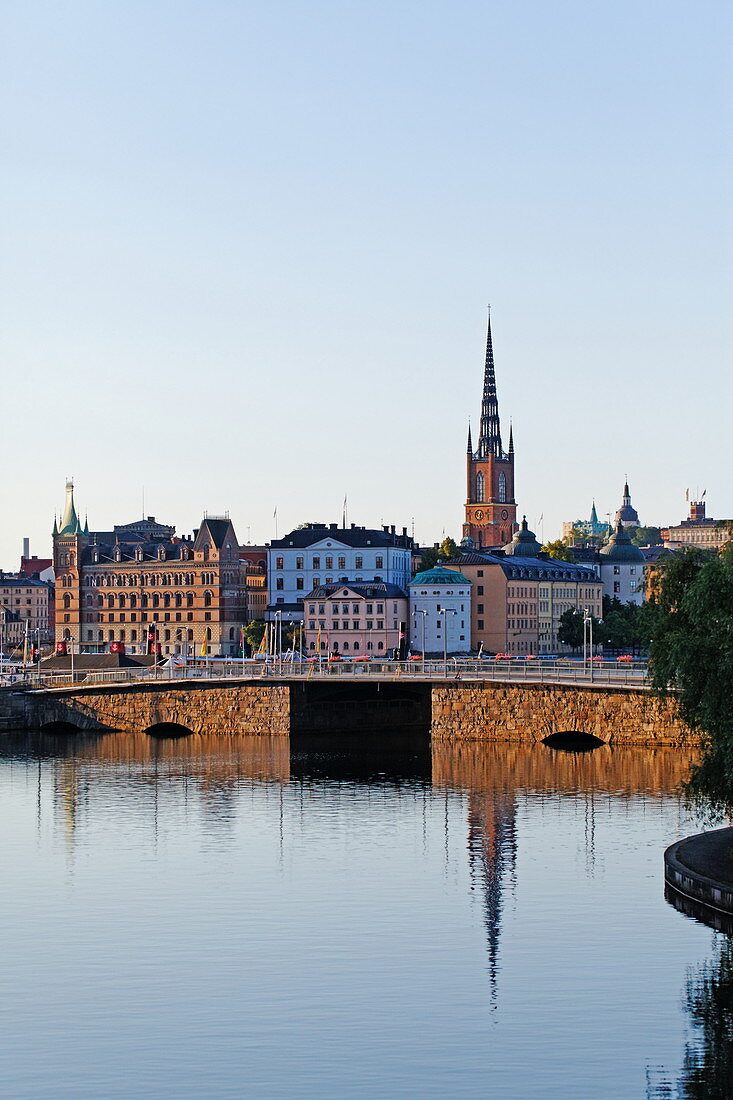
x=440, y=612
x=318, y=554
x=622, y=568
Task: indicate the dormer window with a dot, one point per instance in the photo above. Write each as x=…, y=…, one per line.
x=95, y=557
x=139, y=554
x=118, y=554
x=161, y=553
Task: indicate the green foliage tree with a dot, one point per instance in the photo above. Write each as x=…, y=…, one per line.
x=570, y=630
x=647, y=536
x=692, y=655
x=433, y=554
x=253, y=634
x=559, y=549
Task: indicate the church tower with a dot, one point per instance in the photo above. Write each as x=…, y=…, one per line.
x=491, y=510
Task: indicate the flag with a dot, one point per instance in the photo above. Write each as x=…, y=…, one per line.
x=687, y=494
x=203, y=648
x=344, y=512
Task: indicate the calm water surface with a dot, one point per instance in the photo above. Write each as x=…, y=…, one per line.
x=244, y=917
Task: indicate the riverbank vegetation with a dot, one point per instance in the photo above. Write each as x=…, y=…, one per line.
x=692, y=655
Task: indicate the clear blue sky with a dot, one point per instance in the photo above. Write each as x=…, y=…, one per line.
x=247, y=249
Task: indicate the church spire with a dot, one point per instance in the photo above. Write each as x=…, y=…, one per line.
x=490, y=436
x=511, y=440
x=70, y=521
x=469, y=446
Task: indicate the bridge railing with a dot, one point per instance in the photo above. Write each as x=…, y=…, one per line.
x=563, y=672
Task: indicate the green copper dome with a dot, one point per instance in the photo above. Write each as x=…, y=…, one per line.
x=524, y=544
x=439, y=575
x=620, y=548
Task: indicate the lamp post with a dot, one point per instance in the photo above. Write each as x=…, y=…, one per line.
x=279, y=639
x=588, y=633
x=302, y=632
x=445, y=612
x=424, y=613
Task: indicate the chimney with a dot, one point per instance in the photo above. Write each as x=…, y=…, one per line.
x=334, y=526
x=26, y=548
x=404, y=532
x=392, y=530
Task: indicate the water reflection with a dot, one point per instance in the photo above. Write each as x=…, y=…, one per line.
x=459, y=896
x=707, y=1070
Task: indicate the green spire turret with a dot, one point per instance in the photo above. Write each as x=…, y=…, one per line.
x=70, y=521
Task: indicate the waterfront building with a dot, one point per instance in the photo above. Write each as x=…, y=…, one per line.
x=621, y=566
x=520, y=593
x=141, y=584
x=583, y=530
x=699, y=530
x=30, y=600
x=440, y=612
x=354, y=620
x=318, y=555
x=491, y=509
x=627, y=515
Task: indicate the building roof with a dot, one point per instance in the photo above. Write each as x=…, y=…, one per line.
x=70, y=524
x=217, y=527
x=374, y=590
x=620, y=548
x=439, y=575
x=29, y=566
x=15, y=580
x=516, y=567
x=524, y=544
x=353, y=536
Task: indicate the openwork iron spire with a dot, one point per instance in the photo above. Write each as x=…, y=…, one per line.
x=490, y=436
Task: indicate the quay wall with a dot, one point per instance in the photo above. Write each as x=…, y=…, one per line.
x=531, y=712
x=454, y=710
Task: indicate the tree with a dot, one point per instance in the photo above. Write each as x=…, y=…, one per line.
x=253, y=634
x=570, y=630
x=434, y=554
x=692, y=657
x=647, y=536
x=559, y=549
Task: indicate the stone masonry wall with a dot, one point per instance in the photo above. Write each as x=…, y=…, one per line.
x=252, y=709
x=531, y=712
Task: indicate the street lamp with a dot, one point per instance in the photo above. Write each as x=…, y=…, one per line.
x=279, y=639
x=302, y=633
x=445, y=611
x=588, y=639
x=424, y=616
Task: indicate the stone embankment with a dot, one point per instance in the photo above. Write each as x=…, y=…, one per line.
x=700, y=868
x=532, y=712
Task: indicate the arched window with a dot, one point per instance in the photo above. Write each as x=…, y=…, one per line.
x=122, y=601
x=67, y=601
x=208, y=633
x=100, y=600
x=231, y=634
x=133, y=600
x=144, y=600
x=167, y=599
x=189, y=599
x=110, y=601
x=502, y=487
x=156, y=599
x=356, y=647
x=479, y=488
x=178, y=599
x=207, y=599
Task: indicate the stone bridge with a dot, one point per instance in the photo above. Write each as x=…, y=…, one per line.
x=461, y=710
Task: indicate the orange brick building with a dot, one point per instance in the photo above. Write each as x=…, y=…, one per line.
x=141, y=584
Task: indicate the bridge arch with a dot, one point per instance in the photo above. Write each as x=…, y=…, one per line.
x=168, y=730
x=60, y=728
x=572, y=741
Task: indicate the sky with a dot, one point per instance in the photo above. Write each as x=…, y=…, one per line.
x=246, y=251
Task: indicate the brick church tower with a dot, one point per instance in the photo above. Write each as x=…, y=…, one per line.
x=491, y=509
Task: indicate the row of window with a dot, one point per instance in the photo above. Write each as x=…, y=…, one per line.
x=355, y=648
x=150, y=580
x=176, y=599
x=328, y=562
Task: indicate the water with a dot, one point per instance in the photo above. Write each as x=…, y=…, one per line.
x=228, y=917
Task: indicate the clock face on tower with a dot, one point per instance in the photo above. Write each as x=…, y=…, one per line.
x=479, y=514
x=504, y=514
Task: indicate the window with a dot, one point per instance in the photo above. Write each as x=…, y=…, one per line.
x=370, y=624
x=342, y=563
x=380, y=609
x=346, y=645
x=616, y=570
x=380, y=645
x=480, y=590
x=380, y=624
x=279, y=584
x=380, y=561
x=480, y=609
x=355, y=625
x=616, y=586
x=356, y=647
x=317, y=563
x=480, y=572
x=502, y=488
x=278, y=563
x=298, y=563
x=329, y=563
x=479, y=491
x=316, y=582
x=299, y=583
x=359, y=564
x=335, y=624
x=480, y=624
x=344, y=608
